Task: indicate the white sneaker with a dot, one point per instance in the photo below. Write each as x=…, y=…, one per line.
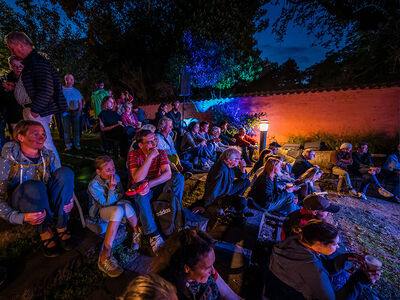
x=156, y=242
x=385, y=193
x=136, y=238
x=110, y=267
x=353, y=193
x=361, y=196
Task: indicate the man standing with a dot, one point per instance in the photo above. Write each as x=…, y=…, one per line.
x=175, y=115
x=38, y=88
x=73, y=115
x=97, y=96
x=151, y=164
x=302, y=162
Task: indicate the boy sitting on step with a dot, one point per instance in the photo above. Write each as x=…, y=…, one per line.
x=107, y=192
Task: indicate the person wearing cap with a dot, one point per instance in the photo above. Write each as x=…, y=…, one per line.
x=364, y=167
x=314, y=207
x=274, y=147
x=340, y=161
x=302, y=162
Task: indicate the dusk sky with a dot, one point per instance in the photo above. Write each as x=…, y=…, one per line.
x=296, y=44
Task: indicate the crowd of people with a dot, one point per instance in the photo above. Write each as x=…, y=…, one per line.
x=160, y=153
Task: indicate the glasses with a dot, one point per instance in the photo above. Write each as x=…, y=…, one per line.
x=17, y=66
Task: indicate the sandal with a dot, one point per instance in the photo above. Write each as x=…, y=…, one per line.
x=50, y=251
x=67, y=244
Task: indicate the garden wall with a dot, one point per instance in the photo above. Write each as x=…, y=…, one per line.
x=344, y=113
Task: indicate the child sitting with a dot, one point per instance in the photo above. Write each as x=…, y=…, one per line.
x=106, y=190
x=129, y=118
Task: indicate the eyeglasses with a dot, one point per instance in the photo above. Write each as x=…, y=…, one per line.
x=17, y=66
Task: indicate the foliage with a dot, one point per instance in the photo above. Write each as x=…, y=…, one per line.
x=377, y=142
x=232, y=113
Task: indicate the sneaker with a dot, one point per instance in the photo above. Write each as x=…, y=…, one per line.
x=353, y=193
x=135, y=241
x=361, y=196
x=110, y=267
x=156, y=242
x=385, y=193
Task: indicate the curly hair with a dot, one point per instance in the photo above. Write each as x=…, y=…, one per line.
x=185, y=247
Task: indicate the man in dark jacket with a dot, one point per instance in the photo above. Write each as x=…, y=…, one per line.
x=227, y=176
x=364, y=167
x=302, y=162
x=38, y=89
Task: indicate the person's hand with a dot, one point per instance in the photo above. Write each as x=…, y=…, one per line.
x=373, y=275
x=290, y=188
x=112, y=182
x=153, y=154
x=203, y=142
x=9, y=85
x=35, y=218
x=242, y=164
x=68, y=207
x=198, y=209
x=139, y=124
x=35, y=115
x=145, y=191
x=295, y=200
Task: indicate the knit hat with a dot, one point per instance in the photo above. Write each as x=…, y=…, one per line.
x=346, y=146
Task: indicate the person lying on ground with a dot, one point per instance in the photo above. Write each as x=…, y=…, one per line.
x=340, y=161
x=227, y=176
x=187, y=260
x=302, y=162
x=300, y=270
x=266, y=193
x=364, y=167
x=314, y=207
x=107, y=192
x=34, y=188
x=150, y=164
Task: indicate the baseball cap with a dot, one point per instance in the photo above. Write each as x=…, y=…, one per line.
x=274, y=144
x=317, y=202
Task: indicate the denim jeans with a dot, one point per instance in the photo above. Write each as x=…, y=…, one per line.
x=74, y=119
x=367, y=178
x=343, y=176
x=35, y=196
x=143, y=202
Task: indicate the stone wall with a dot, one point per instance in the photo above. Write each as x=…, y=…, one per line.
x=344, y=112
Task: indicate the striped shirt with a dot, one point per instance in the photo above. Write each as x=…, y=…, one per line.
x=136, y=159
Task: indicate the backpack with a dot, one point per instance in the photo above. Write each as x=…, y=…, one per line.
x=168, y=213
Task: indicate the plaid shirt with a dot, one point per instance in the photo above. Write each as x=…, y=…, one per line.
x=130, y=119
x=136, y=159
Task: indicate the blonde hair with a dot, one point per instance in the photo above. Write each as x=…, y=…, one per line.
x=23, y=126
x=162, y=122
x=101, y=160
x=270, y=164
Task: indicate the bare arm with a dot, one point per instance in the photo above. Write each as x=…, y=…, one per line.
x=225, y=291
x=165, y=176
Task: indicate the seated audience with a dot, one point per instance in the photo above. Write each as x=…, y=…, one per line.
x=194, y=148
x=140, y=114
x=314, y=207
x=299, y=267
x=175, y=115
x=247, y=144
x=227, y=176
x=149, y=287
x=203, y=131
x=129, y=118
x=111, y=124
x=166, y=143
x=35, y=189
x=107, y=192
x=340, y=161
x=302, y=162
x=150, y=164
x=260, y=162
x=391, y=172
x=306, y=182
x=266, y=193
x=216, y=141
x=187, y=260
x=161, y=112
x=226, y=137
x=274, y=146
x=364, y=167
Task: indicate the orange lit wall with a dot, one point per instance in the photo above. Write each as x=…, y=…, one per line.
x=349, y=112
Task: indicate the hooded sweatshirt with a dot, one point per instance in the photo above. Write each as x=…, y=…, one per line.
x=308, y=273
x=97, y=97
x=16, y=168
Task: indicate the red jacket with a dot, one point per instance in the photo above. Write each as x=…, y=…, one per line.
x=244, y=140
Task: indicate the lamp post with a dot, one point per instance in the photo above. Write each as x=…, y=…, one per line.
x=263, y=134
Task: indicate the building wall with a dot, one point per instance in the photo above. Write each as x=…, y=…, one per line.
x=350, y=112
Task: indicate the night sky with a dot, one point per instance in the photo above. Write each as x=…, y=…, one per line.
x=296, y=44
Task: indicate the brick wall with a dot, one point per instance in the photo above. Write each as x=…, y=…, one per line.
x=350, y=112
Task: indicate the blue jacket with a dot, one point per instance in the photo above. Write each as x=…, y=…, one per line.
x=16, y=168
x=392, y=162
x=100, y=193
